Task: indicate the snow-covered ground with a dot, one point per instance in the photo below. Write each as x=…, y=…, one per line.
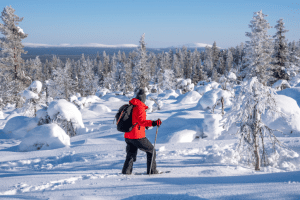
x=90, y=167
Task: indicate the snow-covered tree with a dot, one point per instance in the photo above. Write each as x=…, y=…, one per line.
x=168, y=80
x=280, y=51
x=253, y=100
x=11, y=50
x=140, y=75
x=229, y=61
x=11, y=44
x=215, y=54
x=208, y=61
x=259, y=48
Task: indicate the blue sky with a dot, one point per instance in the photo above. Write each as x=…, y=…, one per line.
x=165, y=22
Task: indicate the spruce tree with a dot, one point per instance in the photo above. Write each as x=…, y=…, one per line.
x=11, y=50
x=141, y=76
x=259, y=48
x=280, y=51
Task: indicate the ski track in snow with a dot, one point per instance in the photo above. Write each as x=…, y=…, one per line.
x=23, y=187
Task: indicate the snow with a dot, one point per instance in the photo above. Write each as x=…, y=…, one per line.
x=45, y=137
x=231, y=76
x=281, y=84
x=36, y=86
x=17, y=127
x=89, y=165
x=290, y=110
x=30, y=95
x=189, y=97
x=100, y=108
x=65, y=110
x=292, y=92
x=210, y=98
x=212, y=127
x=168, y=94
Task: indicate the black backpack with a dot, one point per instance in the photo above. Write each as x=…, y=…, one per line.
x=124, y=118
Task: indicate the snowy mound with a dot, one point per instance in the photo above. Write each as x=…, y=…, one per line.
x=36, y=86
x=27, y=94
x=17, y=127
x=231, y=76
x=33, y=90
x=168, y=94
x=99, y=108
x=45, y=137
x=212, y=128
x=210, y=98
x=102, y=92
x=293, y=93
x=183, y=136
x=281, y=85
x=189, y=98
x=290, y=110
x=65, y=110
x=203, y=89
x=114, y=99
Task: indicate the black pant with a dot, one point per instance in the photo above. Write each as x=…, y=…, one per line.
x=132, y=148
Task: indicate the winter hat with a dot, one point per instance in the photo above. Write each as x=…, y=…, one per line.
x=141, y=95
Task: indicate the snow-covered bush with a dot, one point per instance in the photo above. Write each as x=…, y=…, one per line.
x=231, y=76
x=17, y=127
x=82, y=102
x=210, y=98
x=65, y=114
x=102, y=92
x=33, y=99
x=288, y=122
x=281, y=85
x=185, y=85
x=44, y=137
x=212, y=127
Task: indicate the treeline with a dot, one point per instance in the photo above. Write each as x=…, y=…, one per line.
x=268, y=58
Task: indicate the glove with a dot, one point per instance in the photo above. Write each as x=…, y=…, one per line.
x=156, y=123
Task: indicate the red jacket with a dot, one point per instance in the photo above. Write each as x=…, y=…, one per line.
x=139, y=117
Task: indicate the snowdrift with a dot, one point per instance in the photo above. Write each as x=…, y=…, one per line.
x=289, y=122
x=18, y=127
x=189, y=98
x=45, y=137
x=210, y=98
x=65, y=110
x=292, y=92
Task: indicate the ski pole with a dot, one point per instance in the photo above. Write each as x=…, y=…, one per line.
x=153, y=151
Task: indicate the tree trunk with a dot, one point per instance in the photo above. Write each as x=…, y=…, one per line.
x=256, y=139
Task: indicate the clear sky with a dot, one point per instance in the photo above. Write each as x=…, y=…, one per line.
x=165, y=22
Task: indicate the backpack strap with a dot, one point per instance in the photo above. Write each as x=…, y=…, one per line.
x=120, y=116
x=130, y=129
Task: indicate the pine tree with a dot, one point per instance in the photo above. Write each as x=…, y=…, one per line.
x=280, y=51
x=259, y=48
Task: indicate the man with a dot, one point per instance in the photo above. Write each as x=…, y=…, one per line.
x=136, y=138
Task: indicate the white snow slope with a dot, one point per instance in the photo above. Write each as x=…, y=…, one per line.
x=90, y=168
